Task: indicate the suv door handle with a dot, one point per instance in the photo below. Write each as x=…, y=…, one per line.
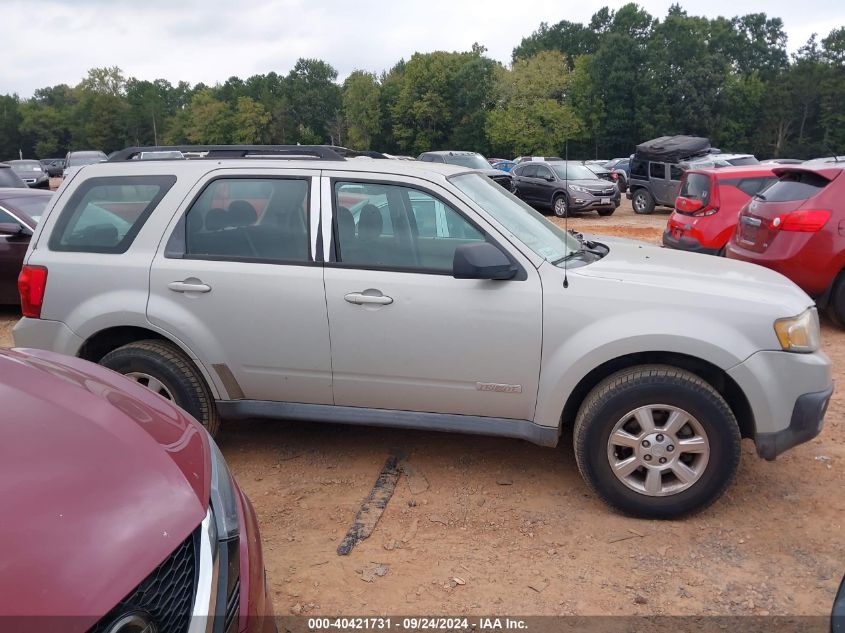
x=189, y=285
x=359, y=298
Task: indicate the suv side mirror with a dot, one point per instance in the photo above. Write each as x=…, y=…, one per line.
x=13, y=228
x=481, y=260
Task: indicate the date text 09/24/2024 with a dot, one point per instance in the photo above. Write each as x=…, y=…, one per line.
x=416, y=624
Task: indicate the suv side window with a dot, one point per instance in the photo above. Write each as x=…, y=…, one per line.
x=529, y=171
x=657, y=170
x=639, y=168
x=398, y=227
x=675, y=172
x=250, y=219
x=105, y=214
x=543, y=172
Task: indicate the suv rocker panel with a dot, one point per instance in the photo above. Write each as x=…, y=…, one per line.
x=470, y=424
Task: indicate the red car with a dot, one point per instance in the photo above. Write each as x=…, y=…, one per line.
x=797, y=227
x=119, y=513
x=708, y=205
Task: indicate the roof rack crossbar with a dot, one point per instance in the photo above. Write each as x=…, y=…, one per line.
x=313, y=152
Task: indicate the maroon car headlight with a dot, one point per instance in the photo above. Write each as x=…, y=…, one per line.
x=225, y=533
x=224, y=497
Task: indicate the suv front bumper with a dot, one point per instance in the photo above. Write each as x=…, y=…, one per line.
x=788, y=394
x=807, y=421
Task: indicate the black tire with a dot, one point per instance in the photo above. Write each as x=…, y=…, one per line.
x=560, y=205
x=171, y=366
x=605, y=212
x=836, y=305
x=625, y=391
x=642, y=201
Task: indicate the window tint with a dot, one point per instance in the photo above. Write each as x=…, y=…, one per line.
x=33, y=206
x=530, y=171
x=543, y=172
x=5, y=218
x=675, y=172
x=257, y=219
x=795, y=186
x=639, y=168
x=745, y=160
x=8, y=178
x=696, y=187
x=105, y=214
x=389, y=226
x=753, y=186
x=657, y=170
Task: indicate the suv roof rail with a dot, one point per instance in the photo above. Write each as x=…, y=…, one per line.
x=194, y=152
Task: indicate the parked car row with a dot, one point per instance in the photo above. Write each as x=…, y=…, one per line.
x=787, y=217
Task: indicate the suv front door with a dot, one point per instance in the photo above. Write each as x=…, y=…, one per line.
x=405, y=334
x=238, y=283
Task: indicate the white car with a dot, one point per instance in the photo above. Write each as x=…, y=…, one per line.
x=289, y=283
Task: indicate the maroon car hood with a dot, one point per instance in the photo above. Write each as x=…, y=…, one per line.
x=100, y=480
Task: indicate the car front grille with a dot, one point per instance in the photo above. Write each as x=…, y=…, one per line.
x=165, y=596
x=604, y=191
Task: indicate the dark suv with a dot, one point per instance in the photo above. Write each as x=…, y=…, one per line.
x=472, y=160
x=564, y=187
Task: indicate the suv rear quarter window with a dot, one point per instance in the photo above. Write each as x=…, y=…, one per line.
x=105, y=214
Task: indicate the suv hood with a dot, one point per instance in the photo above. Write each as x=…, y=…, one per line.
x=704, y=279
x=106, y=479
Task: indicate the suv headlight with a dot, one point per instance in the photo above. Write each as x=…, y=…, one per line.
x=578, y=188
x=799, y=333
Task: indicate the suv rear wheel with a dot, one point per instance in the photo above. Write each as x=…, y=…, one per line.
x=656, y=441
x=642, y=201
x=166, y=370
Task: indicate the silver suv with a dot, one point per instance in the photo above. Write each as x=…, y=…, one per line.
x=293, y=284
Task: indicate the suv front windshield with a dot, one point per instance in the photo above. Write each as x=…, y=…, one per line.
x=473, y=161
x=572, y=172
x=527, y=225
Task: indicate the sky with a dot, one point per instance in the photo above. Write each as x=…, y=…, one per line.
x=48, y=42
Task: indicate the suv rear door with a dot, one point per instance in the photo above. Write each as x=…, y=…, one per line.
x=662, y=188
x=237, y=282
x=405, y=333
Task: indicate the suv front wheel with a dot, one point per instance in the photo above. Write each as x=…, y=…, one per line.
x=656, y=441
x=165, y=369
x=560, y=206
x=642, y=201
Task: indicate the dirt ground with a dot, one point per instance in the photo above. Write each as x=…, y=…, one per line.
x=485, y=525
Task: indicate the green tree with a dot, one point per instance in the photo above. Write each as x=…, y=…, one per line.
x=209, y=120
x=362, y=108
x=314, y=98
x=532, y=115
x=251, y=122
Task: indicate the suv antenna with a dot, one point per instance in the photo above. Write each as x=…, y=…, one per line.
x=565, y=192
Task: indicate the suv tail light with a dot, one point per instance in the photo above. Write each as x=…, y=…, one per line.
x=31, y=284
x=803, y=221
